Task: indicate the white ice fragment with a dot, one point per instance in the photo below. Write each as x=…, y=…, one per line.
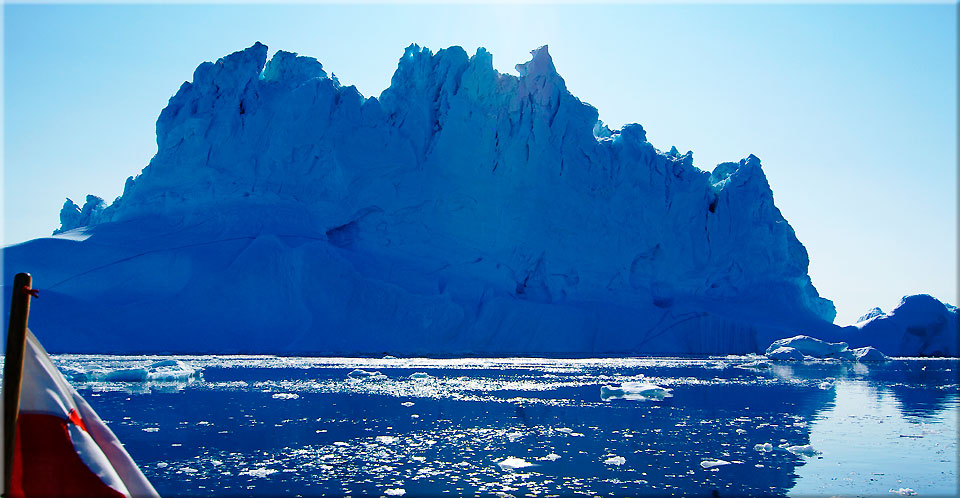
x=803, y=450
x=615, y=460
x=420, y=375
x=389, y=357
x=904, y=492
x=363, y=374
x=511, y=463
x=755, y=365
x=407, y=404
x=286, y=396
x=550, y=457
x=741, y=431
x=386, y=439
x=565, y=430
x=151, y=429
x=709, y=464
x=765, y=447
x=635, y=391
x=258, y=472
x=395, y=492
x=513, y=436
x=825, y=385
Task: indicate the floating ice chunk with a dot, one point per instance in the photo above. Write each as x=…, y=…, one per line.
x=151, y=429
x=904, y=492
x=803, y=450
x=809, y=346
x=565, y=430
x=826, y=385
x=407, y=404
x=160, y=371
x=286, y=396
x=513, y=436
x=511, y=463
x=755, y=365
x=363, y=374
x=635, y=391
x=765, y=447
x=785, y=354
x=420, y=375
x=709, y=464
x=395, y=492
x=389, y=357
x=869, y=353
x=260, y=472
x=386, y=439
x=615, y=460
x=550, y=457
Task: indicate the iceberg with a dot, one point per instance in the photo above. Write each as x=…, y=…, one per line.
x=920, y=325
x=159, y=371
x=462, y=211
x=785, y=353
x=807, y=346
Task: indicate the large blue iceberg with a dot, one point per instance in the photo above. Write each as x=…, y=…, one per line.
x=464, y=211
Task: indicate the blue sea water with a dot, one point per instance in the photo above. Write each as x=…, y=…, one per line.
x=253, y=425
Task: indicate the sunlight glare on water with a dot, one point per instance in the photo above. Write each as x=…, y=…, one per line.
x=257, y=425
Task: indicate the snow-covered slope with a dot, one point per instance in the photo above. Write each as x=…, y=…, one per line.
x=464, y=211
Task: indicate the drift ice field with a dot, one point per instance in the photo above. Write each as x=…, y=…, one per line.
x=474, y=287
x=267, y=426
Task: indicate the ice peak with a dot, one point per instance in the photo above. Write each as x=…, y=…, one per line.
x=540, y=64
x=292, y=69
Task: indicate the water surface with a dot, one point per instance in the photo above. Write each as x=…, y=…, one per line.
x=265, y=426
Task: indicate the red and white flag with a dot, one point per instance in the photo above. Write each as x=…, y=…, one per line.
x=62, y=446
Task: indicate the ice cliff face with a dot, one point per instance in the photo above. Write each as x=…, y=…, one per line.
x=463, y=211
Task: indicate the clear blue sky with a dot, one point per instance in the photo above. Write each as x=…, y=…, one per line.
x=852, y=109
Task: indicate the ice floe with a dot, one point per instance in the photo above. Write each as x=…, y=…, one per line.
x=615, y=460
x=511, y=463
x=395, y=492
x=286, y=396
x=359, y=373
x=709, y=464
x=803, y=450
x=635, y=391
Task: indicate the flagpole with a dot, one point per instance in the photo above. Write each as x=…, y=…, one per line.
x=13, y=369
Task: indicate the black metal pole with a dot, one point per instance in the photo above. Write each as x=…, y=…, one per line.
x=13, y=369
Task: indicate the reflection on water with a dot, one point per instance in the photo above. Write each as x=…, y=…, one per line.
x=266, y=426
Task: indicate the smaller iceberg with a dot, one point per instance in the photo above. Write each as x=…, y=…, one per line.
x=869, y=353
x=160, y=371
x=785, y=354
x=799, y=347
x=808, y=346
x=635, y=391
